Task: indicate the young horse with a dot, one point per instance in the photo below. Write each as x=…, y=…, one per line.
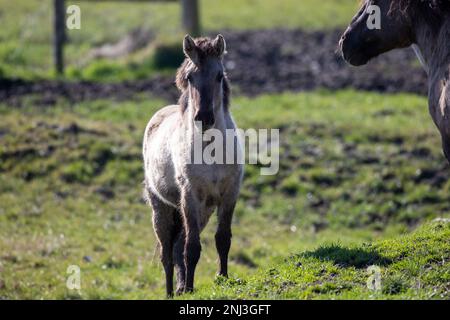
x=183, y=194
x=425, y=25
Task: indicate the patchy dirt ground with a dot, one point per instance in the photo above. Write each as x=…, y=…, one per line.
x=281, y=60
x=263, y=61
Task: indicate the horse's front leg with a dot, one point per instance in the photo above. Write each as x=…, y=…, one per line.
x=439, y=108
x=190, y=207
x=443, y=125
x=223, y=234
x=446, y=146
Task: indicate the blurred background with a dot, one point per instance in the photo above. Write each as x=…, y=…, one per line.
x=360, y=158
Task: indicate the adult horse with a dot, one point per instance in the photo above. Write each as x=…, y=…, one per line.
x=424, y=24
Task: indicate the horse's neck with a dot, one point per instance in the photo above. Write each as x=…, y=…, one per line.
x=435, y=52
x=432, y=50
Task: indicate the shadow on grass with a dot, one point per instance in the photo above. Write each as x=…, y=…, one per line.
x=348, y=257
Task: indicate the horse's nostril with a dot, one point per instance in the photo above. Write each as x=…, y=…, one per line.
x=205, y=118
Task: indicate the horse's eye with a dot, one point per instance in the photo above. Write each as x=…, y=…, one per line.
x=219, y=77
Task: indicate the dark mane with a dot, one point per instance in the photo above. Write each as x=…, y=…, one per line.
x=403, y=5
x=433, y=12
x=429, y=9
x=437, y=5
x=206, y=50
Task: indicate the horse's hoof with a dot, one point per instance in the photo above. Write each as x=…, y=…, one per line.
x=179, y=291
x=225, y=275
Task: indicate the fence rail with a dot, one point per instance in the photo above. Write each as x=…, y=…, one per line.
x=189, y=17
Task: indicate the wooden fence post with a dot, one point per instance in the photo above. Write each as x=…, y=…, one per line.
x=59, y=36
x=190, y=17
x=190, y=20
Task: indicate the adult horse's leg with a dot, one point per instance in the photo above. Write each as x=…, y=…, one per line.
x=444, y=105
x=190, y=210
x=446, y=145
x=223, y=233
x=439, y=109
x=163, y=224
x=178, y=257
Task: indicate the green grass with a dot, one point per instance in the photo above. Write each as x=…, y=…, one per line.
x=355, y=167
x=26, y=35
x=414, y=266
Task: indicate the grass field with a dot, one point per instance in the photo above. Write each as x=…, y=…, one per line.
x=26, y=36
x=356, y=167
x=362, y=177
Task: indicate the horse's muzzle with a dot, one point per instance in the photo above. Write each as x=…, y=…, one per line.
x=206, y=118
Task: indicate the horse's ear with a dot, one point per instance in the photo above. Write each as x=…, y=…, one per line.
x=189, y=48
x=220, y=45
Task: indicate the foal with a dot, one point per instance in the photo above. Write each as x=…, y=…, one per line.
x=425, y=25
x=182, y=194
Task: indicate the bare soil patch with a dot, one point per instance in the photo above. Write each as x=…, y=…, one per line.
x=259, y=62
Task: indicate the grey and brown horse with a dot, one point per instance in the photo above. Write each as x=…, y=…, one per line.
x=422, y=24
x=183, y=193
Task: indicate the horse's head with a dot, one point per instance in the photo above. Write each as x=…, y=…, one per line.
x=202, y=79
x=362, y=41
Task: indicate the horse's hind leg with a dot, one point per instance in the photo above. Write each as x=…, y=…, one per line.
x=164, y=226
